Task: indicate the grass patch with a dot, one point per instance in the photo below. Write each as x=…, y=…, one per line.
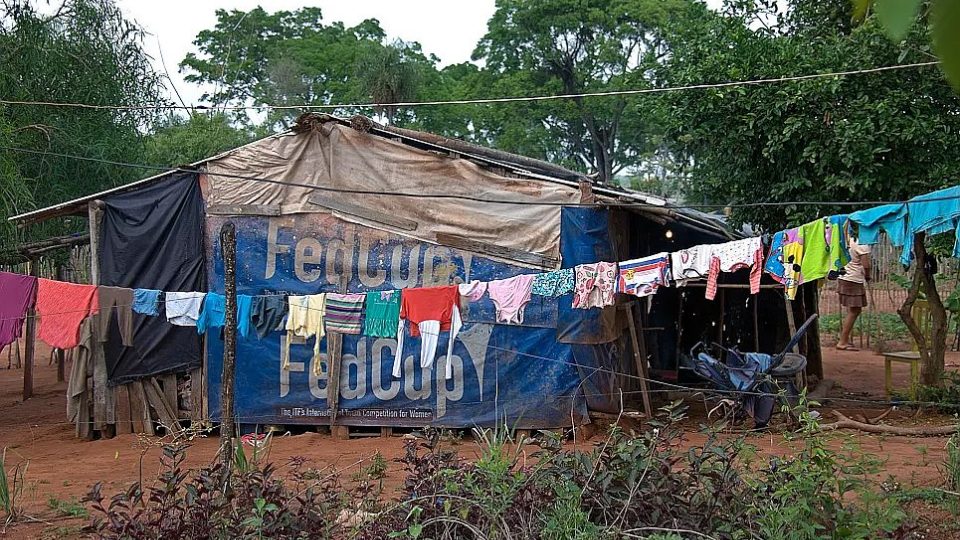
x=879, y=326
x=951, y=468
x=71, y=508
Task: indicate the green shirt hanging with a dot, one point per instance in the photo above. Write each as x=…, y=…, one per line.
x=382, y=314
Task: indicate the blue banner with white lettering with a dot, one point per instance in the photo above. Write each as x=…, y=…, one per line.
x=517, y=374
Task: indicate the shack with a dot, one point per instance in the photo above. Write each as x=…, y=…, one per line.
x=347, y=205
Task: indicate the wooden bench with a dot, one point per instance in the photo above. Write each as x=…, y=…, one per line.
x=921, y=314
x=911, y=357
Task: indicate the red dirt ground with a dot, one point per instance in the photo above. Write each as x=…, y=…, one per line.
x=63, y=467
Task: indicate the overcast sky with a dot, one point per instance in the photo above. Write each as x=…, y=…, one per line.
x=175, y=24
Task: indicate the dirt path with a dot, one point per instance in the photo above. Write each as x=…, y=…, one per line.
x=63, y=467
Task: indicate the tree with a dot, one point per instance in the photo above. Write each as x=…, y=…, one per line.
x=186, y=140
x=14, y=194
x=531, y=48
x=572, y=47
x=85, y=52
x=386, y=76
x=292, y=58
x=879, y=136
x=943, y=16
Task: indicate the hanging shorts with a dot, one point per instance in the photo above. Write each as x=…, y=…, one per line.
x=852, y=294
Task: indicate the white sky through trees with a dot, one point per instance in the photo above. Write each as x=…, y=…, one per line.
x=447, y=29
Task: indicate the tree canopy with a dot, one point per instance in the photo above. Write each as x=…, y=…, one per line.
x=84, y=52
x=872, y=136
x=878, y=136
x=293, y=58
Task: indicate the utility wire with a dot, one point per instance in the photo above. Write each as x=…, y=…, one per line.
x=613, y=204
x=488, y=100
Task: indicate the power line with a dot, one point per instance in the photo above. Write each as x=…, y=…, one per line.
x=609, y=204
x=514, y=99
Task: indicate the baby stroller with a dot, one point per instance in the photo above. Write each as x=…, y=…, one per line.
x=753, y=381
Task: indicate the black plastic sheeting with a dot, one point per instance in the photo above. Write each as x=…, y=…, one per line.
x=152, y=238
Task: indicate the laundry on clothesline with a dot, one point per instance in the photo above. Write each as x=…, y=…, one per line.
x=555, y=283
x=305, y=320
x=595, y=285
x=115, y=301
x=932, y=213
x=690, y=264
x=473, y=291
x=510, y=296
x=268, y=313
x=183, y=308
x=642, y=277
x=733, y=256
x=18, y=293
x=430, y=311
x=382, y=314
x=61, y=308
x=795, y=256
x=146, y=301
x=343, y=313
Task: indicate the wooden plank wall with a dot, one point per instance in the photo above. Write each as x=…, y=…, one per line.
x=140, y=406
x=146, y=406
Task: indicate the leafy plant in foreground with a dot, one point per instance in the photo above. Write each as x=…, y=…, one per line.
x=216, y=502
x=820, y=493
x=11, y=488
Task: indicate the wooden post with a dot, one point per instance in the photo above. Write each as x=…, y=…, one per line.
x=31, y=341
x=683, y=297
x=811, y=301
x=59, y=353
x=334, y=357
x=723, y=314
x=756, y=322
x=228, y=247
x=60, y=362
x=640, y=358
x=124, y=424
x=170, y=392
x=103, y=406
x=94, y=212
x=196, y=396
x=140, y=409
x=791, y=323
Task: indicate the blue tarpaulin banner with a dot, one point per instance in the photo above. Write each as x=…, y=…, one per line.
x=516, y=374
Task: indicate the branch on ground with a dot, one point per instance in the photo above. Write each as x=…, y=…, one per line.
x=843, y=422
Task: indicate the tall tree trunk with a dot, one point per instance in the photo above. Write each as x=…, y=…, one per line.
x=932, y=350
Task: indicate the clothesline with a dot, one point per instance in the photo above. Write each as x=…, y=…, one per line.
x=795, y=256
x=431, y=311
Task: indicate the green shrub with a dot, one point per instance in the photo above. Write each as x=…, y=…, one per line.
x=71, y=508
x=630, y=485
x=946, y=397
x=952, y=464
x=820, y=493
x=879, y=326
x=11, y=487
